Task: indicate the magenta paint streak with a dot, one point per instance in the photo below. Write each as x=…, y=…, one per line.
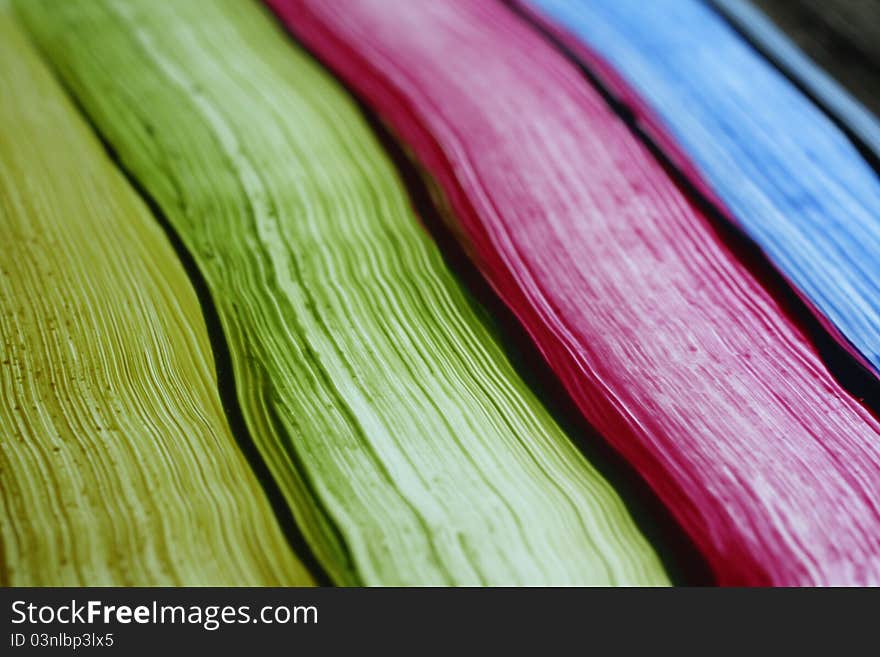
x=669, y=345
x=653, y=126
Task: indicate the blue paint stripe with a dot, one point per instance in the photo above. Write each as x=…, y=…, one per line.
x=761, y=31
x=790, y=176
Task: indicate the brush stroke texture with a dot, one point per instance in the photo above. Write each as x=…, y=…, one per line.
x=841, y=36
x=117, y=466
x=669, y=345
x=779, y=166
x=408, y=447
x=858, y=71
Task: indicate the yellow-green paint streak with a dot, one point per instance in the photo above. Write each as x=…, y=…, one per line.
x=117, y=466
x=406, y=444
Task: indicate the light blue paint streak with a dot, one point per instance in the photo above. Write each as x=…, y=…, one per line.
x=790, y=177
x=797, y=65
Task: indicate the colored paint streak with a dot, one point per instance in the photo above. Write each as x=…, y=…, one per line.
x=116, y=463
x=406, y=444
x=785, y=173
x=858, y=71
x=841, y=36
x=666, y=341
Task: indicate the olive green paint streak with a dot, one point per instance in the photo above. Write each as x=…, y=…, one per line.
x=117, y=466
x=404, y=440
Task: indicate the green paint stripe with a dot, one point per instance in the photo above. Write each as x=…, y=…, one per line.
x=405, y=442
x=117, y=466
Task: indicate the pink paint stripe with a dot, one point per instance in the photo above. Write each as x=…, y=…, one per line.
x=654, y=128
x=668, y=344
